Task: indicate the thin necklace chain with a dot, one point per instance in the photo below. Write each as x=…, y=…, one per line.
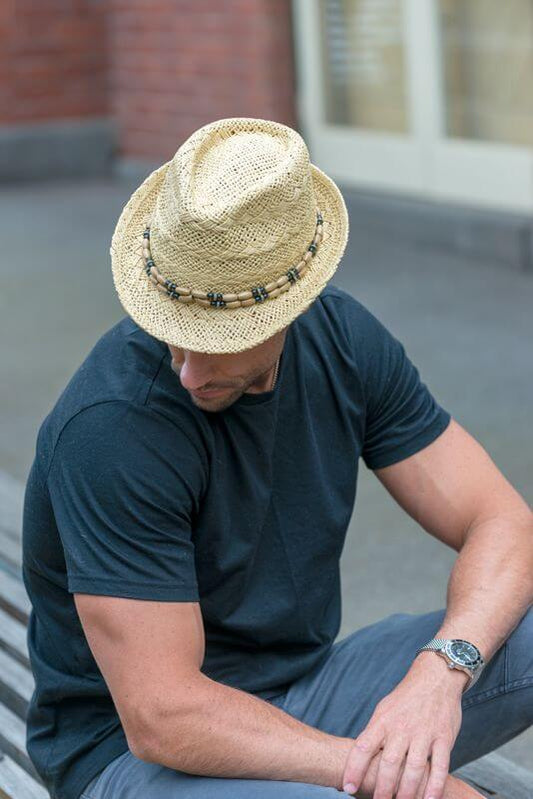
x=275, y=374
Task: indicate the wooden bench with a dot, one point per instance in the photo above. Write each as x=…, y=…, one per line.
x=493, y=775
x=18, y=778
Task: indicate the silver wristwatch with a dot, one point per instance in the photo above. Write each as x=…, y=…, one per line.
x=458, y=654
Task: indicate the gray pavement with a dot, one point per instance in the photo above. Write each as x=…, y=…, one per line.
x=466, y=325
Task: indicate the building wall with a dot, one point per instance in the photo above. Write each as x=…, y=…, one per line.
x=86, y=82
x=53, y=60
x=178, y=65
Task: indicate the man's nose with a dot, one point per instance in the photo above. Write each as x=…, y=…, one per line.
x=196, y=371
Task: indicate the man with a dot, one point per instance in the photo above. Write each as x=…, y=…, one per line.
x=188, y=503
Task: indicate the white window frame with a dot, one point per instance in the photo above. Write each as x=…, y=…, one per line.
x=424, y=162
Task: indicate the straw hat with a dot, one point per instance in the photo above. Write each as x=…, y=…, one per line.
x=229, y=241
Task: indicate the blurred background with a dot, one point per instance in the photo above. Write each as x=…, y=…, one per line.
x=421, y=110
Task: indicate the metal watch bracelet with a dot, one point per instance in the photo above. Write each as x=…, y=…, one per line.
x=438, y=645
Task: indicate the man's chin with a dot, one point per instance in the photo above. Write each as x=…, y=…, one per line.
x=218, y=403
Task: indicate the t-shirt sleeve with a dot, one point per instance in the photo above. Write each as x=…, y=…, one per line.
x=402, y=415
x=125, y=484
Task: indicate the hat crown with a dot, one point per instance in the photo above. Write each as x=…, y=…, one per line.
x=237, y=206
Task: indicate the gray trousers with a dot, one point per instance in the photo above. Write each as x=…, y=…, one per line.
x=339, y=698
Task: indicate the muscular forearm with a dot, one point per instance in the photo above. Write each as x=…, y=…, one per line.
x=491, y=585
x=229, y=733
x=226, y=732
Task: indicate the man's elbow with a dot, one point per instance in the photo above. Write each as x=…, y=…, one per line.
x=160, y=724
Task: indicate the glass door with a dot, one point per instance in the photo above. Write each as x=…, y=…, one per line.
x=428, y=97
x=485, y=150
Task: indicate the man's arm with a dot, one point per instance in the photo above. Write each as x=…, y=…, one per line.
x=150, y=654
x=457, y=494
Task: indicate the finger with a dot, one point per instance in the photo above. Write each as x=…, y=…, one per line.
x=363, y=750
x=439, y=768
x=414, y=770
x=390, y=764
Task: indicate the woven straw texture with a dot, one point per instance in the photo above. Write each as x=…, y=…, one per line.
x=233, y=209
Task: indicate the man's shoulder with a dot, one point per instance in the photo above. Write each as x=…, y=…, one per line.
x=119, y=370
x=351, y=329
x=341, y=302
x=347, y=313
x=334, y=294
x=121, y=365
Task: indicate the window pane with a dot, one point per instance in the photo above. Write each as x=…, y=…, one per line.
x=363, y=64
x=487, y=51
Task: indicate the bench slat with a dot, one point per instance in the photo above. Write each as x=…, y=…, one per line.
x=11, y=505
x=16, y=685
x=13, y=597
x=11, y=550
x=13, y=638
x=13, y=741
x=15, y=783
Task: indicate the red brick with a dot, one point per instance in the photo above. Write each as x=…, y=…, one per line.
x=161, y=68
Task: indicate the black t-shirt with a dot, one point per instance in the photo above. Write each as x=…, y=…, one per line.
x=136, y=492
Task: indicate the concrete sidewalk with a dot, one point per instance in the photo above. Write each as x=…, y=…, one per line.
x=466, y=325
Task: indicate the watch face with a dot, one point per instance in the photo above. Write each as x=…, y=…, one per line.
x=463, y=652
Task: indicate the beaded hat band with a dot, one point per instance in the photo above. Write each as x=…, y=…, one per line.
x=242, y=299
x=238, y=216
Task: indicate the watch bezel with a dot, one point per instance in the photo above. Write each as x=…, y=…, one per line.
x=447, y=649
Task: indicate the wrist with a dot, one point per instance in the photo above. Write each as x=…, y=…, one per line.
x=342, y=748
x=433, y=662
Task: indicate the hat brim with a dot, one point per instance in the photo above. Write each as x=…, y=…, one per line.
x=198, y=328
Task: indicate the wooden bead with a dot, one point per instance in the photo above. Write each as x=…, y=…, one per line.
x=274, y=293
x=308, y=255
x=285, y=287
x=230, y=298
x=186, y=299
x=245, y=295
x=199, y=295
x=247, y=303
x=271, y=286
x=182, y=290
x=205, y=303
x=282, y=280
x=234, y=304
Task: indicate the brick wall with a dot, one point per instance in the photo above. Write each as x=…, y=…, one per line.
x=158, y=69
x=178, y=64
x=53, y=60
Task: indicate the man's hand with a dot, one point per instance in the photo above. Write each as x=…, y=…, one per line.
x=419, y=720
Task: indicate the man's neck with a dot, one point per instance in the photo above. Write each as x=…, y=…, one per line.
x=267, y=383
